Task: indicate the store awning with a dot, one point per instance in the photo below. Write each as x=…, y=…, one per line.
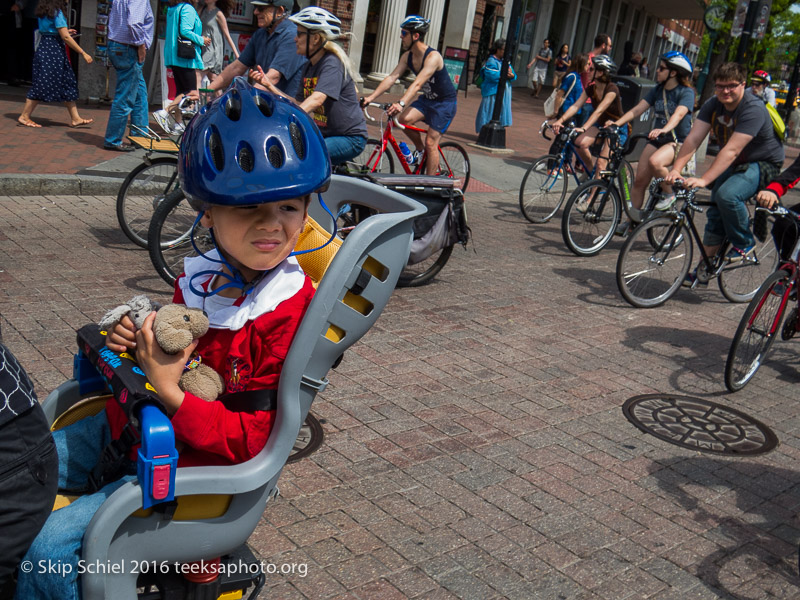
x=674, y=9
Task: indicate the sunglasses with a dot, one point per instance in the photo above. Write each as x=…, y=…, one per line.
x=661, y=68
x=403, y=33
x=726, y=88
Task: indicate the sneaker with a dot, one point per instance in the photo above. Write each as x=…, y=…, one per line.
x=691, y=280
x=623, y=228
x=164, y=120
x=416, y=156
x=735, y=254
x=780, y=288
x=178, y=128
x=582, y=205
x=666, y=202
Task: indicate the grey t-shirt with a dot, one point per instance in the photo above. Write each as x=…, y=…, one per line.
x=544, y=53
x=276, y=51
x=750, y=117
x=677, y=96
x=340, y=114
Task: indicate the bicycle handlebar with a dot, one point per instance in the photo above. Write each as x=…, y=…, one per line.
x=382, y=106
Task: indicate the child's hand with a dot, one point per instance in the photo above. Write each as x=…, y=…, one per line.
x=123, y=337
x=163, y=370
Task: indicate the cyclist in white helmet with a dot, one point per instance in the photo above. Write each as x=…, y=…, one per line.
x=327, y=91
x=436, y=106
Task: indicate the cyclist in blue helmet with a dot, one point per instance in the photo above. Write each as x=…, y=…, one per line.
x=250, y=164
x=436, y=107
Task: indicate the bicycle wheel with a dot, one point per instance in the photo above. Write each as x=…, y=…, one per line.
x=740, y=281
x=454, y=162
x=588, y=232
x=169, y=236
x=142, y=191
x=422, y=272
x=543, y=189
x=371, y=160
x=757, y=330
x=648, y=277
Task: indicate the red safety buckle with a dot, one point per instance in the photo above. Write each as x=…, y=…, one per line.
x=160, y=485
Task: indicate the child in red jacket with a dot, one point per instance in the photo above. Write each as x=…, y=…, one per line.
x=785, y=230
x=250, y=175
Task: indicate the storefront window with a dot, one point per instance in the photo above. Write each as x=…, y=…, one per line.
x=584, y=16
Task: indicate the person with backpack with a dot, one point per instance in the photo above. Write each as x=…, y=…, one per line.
x=759, y=87
x=750, y=156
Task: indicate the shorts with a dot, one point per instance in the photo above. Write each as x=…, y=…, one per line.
x=661, y=141
x=438, y=114
x=185, y=79
x=539, y=75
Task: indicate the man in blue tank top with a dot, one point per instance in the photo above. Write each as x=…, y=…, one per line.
x=436, y=106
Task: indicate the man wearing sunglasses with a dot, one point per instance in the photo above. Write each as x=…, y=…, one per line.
x=271, y=47
x=759, y=85
x=750, y=156
x=436, y=106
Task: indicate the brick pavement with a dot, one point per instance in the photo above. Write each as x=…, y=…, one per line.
x=475, y=446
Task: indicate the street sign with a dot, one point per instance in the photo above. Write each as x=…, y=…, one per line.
x=762, y=20
x=456, y=62
x=739, y=18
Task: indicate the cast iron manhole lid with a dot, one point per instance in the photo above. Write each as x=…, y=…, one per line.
x=700, y=425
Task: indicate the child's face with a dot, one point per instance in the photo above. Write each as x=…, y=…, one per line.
x=257, y=238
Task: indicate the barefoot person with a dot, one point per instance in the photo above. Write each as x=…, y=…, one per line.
x=53, y=79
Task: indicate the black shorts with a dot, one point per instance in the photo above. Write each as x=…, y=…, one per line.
x=661, y=141
x=185, y=79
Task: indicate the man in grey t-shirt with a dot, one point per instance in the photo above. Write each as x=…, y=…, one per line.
x=750, y=155
x=539, y=64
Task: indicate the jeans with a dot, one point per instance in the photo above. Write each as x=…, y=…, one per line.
x=130, y=95
x=342, y=148
x=727, y=215
x=61, y=539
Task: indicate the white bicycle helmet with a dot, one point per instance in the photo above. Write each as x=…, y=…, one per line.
x=318, y=19
x=603, y=62
x=678, y=62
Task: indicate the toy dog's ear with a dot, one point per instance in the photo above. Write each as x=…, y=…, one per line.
x=114, y=316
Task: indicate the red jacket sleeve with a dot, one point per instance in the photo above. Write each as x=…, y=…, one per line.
x=786, y=180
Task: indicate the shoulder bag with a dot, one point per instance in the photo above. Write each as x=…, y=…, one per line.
x=185, y=47
x=550, y=103
x=690, y=168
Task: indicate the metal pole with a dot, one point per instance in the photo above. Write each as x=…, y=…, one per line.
x=493, y=134
x=747, y=31
x=788, y=106
x=701, y=80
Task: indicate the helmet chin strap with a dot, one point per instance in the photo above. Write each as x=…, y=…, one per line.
x=235, y=278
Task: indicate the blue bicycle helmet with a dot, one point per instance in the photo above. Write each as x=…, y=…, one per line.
x=677, y=61
x=415, y=24
x=249, y=147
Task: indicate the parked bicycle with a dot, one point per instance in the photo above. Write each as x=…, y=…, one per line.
x=149, y=183
x=376, y=157
x=761, y=322
x=545, y=183
x=657, y=256
x=593, y=211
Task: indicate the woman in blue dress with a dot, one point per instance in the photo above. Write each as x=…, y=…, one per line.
x=53, y=79
x=491, y=79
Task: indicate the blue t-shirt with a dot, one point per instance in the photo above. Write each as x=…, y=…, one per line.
x=677, y=96
x=277, y=51
x=51, y=25
x=574, y=93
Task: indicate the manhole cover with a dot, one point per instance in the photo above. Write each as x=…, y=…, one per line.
x=699, y=425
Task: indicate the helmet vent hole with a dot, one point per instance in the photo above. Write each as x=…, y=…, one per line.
x=275, y=156
x=246, y=159
x=264, y=105
x=233, y=106
x=297, y=140
x=216, y=150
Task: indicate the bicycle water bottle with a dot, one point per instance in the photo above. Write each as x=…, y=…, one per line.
x=409, y=158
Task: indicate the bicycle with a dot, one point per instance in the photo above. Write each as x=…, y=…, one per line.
x=761, y=321
x=545, y=183
x=453, y=159
x=657, y=256
x=594, y=209
x=149, y=183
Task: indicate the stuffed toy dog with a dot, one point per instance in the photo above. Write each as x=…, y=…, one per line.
x=175, y=327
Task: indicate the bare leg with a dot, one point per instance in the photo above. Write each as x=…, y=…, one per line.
x=582, y=144
x=25, y=117
x=410, y=116
x=432, y=150
x=644, y=173
x=74, y=118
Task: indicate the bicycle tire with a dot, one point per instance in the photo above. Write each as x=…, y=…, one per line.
x=543, y=189
x=308, y=440
x=144, y=188
x=586, y=234
x=740, y=281
x=756, y=332
x=369, y=161
x=648, y=277
x=422, y=272
x=169, y=236
x=454, y=162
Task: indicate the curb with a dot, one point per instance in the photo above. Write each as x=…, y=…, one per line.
x=13, y=184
